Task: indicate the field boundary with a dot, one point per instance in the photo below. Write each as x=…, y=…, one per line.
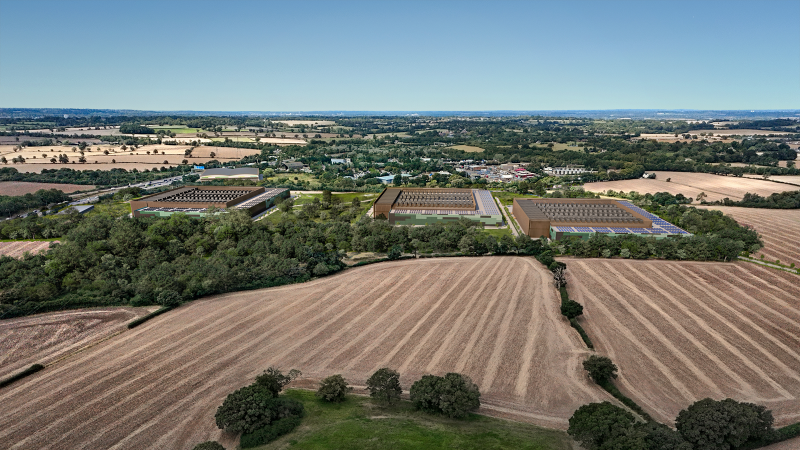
x=20, y=375
x=771, y=265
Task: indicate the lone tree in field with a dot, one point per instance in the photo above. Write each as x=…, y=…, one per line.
x=600, y=369
x=333, y=389
x=384, y=385
x=726, y=424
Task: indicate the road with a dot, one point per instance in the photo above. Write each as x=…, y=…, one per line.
x=145, y=185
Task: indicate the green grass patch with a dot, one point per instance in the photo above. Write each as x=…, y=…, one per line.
x=358, y=423
x=117, y=209
x=498, y=232
x=507, y=198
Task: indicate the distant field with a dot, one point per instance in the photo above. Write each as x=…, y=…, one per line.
x=690, y=184
x=683, y=331
x=292, y=123
x=467, y=148
x=494, y=319
x=263, y=140
x=24, y=187
x=742, y=132
x=779, y=228
x=178, y=130
x=16, y=249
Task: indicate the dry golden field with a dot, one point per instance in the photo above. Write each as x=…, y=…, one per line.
x=25, y=187
x=38, y=158
x=690, y=184
x=44, y=338
x=467, y=148
x=15, y=249
x=495, y=319
x=683, y=331
x=291, y=123
x=779, y=229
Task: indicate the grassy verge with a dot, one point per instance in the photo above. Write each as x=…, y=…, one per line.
x=507, y=198
x=143, y=319
x=358, y=423
x=498, y=232
x=20, y=375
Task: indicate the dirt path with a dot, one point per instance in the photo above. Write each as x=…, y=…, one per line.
x=494, y=318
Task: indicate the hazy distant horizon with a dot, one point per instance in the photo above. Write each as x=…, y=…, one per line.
x=400, y=55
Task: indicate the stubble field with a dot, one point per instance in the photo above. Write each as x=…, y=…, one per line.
x=778, y=228
x=16, y=249
x=44, y=338
x=495, y=319
x=690, y=184
x=683, y=331
x=24, y=187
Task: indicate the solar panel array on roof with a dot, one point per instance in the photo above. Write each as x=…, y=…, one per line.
x=204, y=195
x=587, y=212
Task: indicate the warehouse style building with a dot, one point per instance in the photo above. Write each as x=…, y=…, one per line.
x=558, y=218
x=196, y=200
x=421, y=206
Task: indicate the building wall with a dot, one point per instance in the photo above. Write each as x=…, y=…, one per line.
x=426, y=219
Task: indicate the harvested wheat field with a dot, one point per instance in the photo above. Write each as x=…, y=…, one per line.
x=495, y=319
x=45, y=338
x=683, y=331
x=467, y=148
x=25, y=187
x=778, y=228
x=690, y=184
x=16, y=249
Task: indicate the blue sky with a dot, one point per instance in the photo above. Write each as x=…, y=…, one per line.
x=400, y=56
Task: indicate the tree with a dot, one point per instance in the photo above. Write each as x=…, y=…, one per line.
x=384, y=385
x=333, y=389
x=453, y=395
x=213, y=155
x=245, y=410
x=571, y=309
x=720, y=425
x=286, y=205
x=600, y=369
x=701, y=196
x=597, y=424
x=3, y=160
x=274, y=380
x=661, y=437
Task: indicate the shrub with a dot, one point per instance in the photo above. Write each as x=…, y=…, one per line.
x=18, y=376
x=384, y=385
x=333, y=389
x=600, y=368
x=209, y=445
x=270, y=432
x=571, y=309
x=453, y=395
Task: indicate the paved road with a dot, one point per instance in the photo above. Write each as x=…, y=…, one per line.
x=146, y=184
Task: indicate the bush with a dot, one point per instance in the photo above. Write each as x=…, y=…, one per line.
x=333, y=389
x=600, y=368
x=571, y=309
x=721, y=425
x=269, y=433
x=453, y=395
x=384, y=385
x=135, y=323
x=18, y=376
x=209, y=445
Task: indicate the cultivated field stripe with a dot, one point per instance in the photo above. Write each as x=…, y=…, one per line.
x=425, y=341
x=494, y=360
x=478, y=330
x=534, y=328
x=353, y=321
x=703, y=325
x=456, y=325
x=753, y=325
x=402, y=342
x=600, y=305
x=386, y=337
